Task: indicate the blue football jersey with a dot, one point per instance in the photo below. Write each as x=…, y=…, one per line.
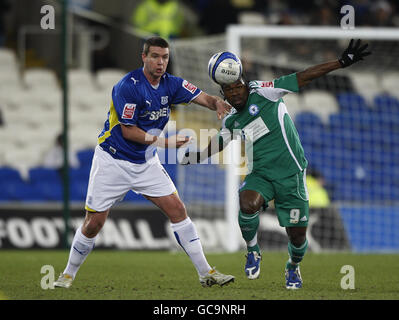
x=136, y=102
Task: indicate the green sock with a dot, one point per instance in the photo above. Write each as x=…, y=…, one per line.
x=249, y=224
x=296, y=254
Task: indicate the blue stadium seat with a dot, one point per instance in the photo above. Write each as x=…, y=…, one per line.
x=78, y=190
x=383, y=191
x=21, y=191
x=343, y=140
x=14, y=188
x=8, y=174
x=50, y=191
x=78, y=182
x=310, y=128
x=352, y=103
x=353, y=191
x=337, y=121
x=3, y=196
x=348, y=120
x=85, y=157
x=360, y=149
x=204, y=185
x=48, y=182
x=308, y=119
x=387, y=113
x=77, y=174
x=386, y=120
x=386, y=103
x=40, y=174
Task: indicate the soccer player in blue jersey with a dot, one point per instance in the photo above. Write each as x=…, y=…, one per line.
x=126, y=159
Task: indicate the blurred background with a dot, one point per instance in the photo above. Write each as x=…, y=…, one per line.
x=348, y=121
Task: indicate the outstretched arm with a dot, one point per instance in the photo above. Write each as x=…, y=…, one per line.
x=214, y=103
x=214, y=146
x=353, y=53
x=306, y=76
x=135, y=134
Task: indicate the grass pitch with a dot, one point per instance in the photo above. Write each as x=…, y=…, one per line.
x=132, y=275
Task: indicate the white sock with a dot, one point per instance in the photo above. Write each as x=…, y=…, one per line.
x=187, y=237
x=253, y=242
x=80, y=249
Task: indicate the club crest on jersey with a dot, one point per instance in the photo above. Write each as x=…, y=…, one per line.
x=189, y=86
x=253, y=109
x=164, y=100
x=128, y=111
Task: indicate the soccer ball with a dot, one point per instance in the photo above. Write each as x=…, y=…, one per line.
x=224, y=68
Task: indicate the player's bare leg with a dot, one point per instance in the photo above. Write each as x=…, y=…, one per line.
x=248, y=219
x=297, y=246
x=171, y=206
x=187, y=237
x=93, y=223
x=296, y=235
x=82, y=245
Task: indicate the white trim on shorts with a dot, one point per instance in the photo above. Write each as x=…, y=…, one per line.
x=110, y=180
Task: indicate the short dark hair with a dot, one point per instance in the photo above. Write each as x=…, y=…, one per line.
x=154, y=42
x=242, y=79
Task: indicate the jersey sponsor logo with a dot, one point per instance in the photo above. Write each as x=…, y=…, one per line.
x=266, y=84
x=189, y=86
x=164, y=100
x=155, y=115
x=255, y=130
x=128, y=111
x=253, y=109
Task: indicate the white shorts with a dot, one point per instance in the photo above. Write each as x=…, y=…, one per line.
x=110, y=180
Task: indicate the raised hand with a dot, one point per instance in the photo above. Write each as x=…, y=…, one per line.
x=353, y=53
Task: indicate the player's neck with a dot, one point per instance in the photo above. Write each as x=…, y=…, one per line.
x=151, y=79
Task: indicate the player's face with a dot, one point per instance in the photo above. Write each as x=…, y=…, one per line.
x=236, y=94
x=156, y=61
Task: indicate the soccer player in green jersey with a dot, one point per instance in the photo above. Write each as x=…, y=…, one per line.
x=278, y=168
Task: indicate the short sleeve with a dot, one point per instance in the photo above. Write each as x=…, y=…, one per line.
x=127, y=104
x=276, y=89
x=288, y=82
x=184, y=91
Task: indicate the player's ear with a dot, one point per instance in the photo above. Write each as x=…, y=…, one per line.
x=245, y=81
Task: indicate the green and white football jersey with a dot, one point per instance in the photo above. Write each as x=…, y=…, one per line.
x=268, y=129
